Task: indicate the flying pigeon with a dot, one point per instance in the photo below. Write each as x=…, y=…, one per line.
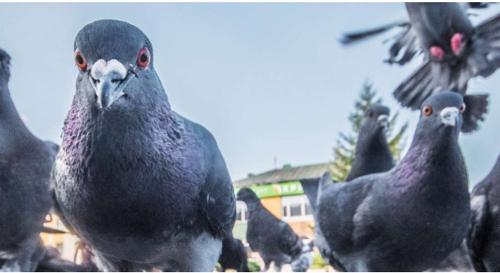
x=372, y=153
x=233, y=256
x=484, y=236
x=144, y=187
x=273, y=239
x=454, y=51
x=25, y=164
x=411, y=217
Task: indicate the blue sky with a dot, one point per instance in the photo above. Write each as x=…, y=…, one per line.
x=269, y=80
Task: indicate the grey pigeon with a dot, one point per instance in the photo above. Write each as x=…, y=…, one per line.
x=372, y=153
x=273, y=239
x=305, y=260
x=455, y=51
x=143, y=186
x=411, y=217
x=25, y=164
x=484, y=236
x=234, y=255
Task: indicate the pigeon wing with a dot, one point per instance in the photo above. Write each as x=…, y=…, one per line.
x=217, y=195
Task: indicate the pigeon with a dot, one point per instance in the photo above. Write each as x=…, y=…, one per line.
x=143, y=186
x=412, y=216
x=483, y=240
x=273, y=239
x=372, y=153
x=25, y=166
x=233, y=256
x=454, y=52
x=305, y=260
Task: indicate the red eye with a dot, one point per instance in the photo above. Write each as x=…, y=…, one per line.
x=80, y=61
x=143, y=57
x=427, y=111
x=462, y=108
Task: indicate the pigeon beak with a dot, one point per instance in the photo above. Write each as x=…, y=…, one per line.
x=109, y=80
x=383, y=120
x=449, y=116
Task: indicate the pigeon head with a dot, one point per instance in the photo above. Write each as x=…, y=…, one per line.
x=375, y=119
x=441, y=113
x=115, y=64
x=4, y=65
x=247, y=195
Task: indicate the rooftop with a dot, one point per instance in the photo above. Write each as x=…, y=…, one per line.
x=287, y=173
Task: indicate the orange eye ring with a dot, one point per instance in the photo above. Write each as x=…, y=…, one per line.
x=143, y=58
x=462, y=108
x=427, y=110
x=80, y=61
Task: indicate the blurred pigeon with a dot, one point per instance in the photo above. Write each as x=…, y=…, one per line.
x=273, y=239
x=411, y=217
x=372, y=154
x=234, y=255
x=143, y=186
x=305, y=259
x=484, y=236
x=25, y=164
x=455, y=51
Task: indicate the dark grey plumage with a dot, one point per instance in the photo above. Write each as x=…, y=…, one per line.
x=143, y=186
x=411, y=217
x=25, y=164
x=484, y=236
x=233, y=255
x=457, y=260
x=372, y=153
x=455, y=51
x=273, y=239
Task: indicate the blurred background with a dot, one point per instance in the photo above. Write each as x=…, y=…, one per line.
x=270, y=81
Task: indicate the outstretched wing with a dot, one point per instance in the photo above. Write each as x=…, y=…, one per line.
x=403, y=46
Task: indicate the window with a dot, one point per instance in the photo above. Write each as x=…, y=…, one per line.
x=241, y=211
x=296, y=207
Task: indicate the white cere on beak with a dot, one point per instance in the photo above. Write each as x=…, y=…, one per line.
x=107, y=78
x=449, y=115
x=383, y=120
x=101, y=68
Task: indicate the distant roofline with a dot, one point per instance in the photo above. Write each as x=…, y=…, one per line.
x=285, y=174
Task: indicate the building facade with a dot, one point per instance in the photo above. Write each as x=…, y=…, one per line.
x=281, y=193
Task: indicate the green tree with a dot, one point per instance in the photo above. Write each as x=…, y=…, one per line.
x=343, y=153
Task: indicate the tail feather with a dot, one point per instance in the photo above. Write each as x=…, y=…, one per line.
x=352, y=37
x=310, y=188
x=416, y=88
x=476, y=108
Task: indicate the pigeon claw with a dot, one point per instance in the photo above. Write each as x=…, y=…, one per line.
x=457, y=43
x=437, y=52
